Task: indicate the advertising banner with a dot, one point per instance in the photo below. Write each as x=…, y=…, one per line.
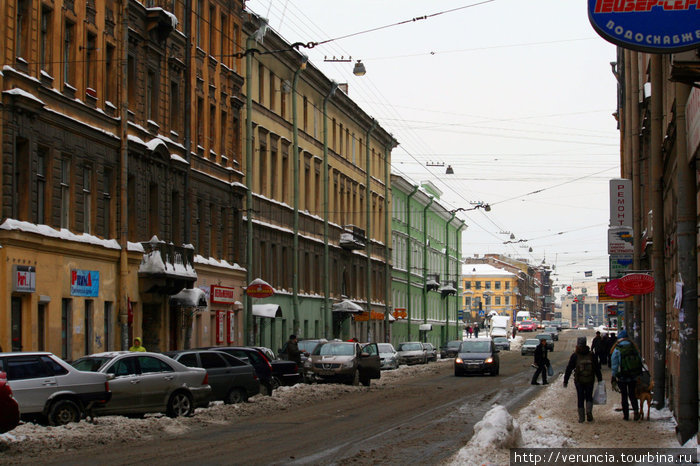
x=619, y=264
x=23, y=279
x=220, y=327
x=621, y=203
x=222, y=294
x=84, y=283
x=620, y=241
x=231, y=327
x=604, y=296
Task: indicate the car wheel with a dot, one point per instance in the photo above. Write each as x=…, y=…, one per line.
x=235, y=395
x=275, y=383
x=180, y=404
x=64, y=411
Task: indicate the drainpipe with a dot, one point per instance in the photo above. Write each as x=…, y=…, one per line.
x=636, y=193
x=387, y=237
x=657, y=177
x=459, y=279
x=447, y=274
x=124, y=155
x=627, y=170
x=687, y=413
x=248, y=301
x=187, y=120
x=327, y=315
x=368, y=207
x=425, y=258
x=409, y=306
x=295, y=259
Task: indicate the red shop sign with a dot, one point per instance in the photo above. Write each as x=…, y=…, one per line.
x=259, y=289
x=613, y=289
x=637, y=283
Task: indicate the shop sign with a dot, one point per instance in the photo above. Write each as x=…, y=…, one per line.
x=231, y=326
x=621, y=203
x=637, y=283
x=220, y=326
x=620, y=241
x=400, y=313
x=84, y=283
x=259, y=289
x=610, y=291
x=222, y=294
x=655, y=26
x=619, y=263
x=364, y=316
x=23, y=279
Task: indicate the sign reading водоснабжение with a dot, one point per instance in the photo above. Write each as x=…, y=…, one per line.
x=656, y=26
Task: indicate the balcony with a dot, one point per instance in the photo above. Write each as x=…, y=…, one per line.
x=166, y=268
x=352, y=237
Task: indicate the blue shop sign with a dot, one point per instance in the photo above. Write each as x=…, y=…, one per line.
x=84, y=283
x=655, y=26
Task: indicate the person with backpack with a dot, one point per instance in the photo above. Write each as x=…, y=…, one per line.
x=584, y=364
x=626, y=367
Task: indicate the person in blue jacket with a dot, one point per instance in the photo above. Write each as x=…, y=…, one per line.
x=626, y=367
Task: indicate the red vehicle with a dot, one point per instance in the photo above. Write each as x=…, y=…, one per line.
x=527, y=326
x=9, y=410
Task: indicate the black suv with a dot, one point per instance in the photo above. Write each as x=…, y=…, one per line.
x=477, y=355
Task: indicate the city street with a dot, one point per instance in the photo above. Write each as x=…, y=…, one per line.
x=420, y=413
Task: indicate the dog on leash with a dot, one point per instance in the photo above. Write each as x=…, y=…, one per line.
x=644, y=393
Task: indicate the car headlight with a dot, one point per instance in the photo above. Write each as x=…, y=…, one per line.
x=458, y=361
x=488, y=360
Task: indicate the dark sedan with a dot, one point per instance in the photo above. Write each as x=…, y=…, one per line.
x=477, y=355
x=231, y=380
x=502, y=343
x=450, y=349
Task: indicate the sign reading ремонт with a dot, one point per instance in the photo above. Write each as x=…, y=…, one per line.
x=656, y=26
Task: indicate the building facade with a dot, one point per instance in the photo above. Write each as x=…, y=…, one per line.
x=426, y=243
x=487, y=289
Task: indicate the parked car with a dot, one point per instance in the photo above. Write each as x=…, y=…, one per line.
x=345, y=361
x=430, y=351
x=144, y=382
x=9, y=409
x=284, y=372
x=388, y=357
x=412, y=352
x=548, y=337
x=450, y=349
x=231, y=380
x=49, y=389
x=527, y=326
x=477, y=355
x=307, y=347
x=502, y=343
x=528, y=346
x=262, y=365
x=552, y=331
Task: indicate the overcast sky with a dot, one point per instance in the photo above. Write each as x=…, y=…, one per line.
x=517, y=96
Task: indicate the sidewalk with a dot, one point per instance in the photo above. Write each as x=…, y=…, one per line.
x=551, y=421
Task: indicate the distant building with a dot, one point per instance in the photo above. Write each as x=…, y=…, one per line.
x=485, y=289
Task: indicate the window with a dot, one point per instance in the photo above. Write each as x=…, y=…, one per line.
x=91, y=61
x=497, y=285
x=467, y=302
x=110, y=74
x=273, y=100
x=149, y=364
x=212, y=36
x=211, y=230
x=487, y=285
x=131, y=81
x=467, y=285
x=261, y=84
x=498, y=300
x=123, y=367
x=65, y=192
x=222, y=137
x=174, y=106
x=22, y=179
x=223, y=234
x=107, y=179
x=66, y=329
x=477, y=285
x=507, y=285
x=223, y=44
x=22, y=28
x=507, y=300
x=283, y=103
x=189, y=360
x=69, y=54
x=212, y=361
x=200, y=121
x=26, y=367
x=88, y=326
x=131, y=205
x=87, y=199
x=45, y=39
x=212, y=128
x=198, y=21
x=16, y=323
x=175, y=217
x=107, y=322
x=152, y=96
x=305, y=113
x=153, y=210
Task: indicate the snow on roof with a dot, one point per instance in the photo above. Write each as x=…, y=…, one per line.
x=173, y=18
x=22, y=92
x=475, y=270
x=45, y=230
x=216, y=263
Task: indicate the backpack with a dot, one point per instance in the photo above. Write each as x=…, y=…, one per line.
x=584, y=368
x=630, y=362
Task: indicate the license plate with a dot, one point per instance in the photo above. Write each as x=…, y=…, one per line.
x=326, y=373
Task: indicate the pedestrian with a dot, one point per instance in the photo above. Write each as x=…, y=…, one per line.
x=292, y=347
x=626, y=367
x=469, y=331
x=476, y=331
x=137, y=345
x=605, y=349
x=597, y=345
x=608, y=350
x=586, y=369
x=541, y=361
x=514, y=330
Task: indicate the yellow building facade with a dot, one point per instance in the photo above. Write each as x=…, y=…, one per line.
x=487, y=289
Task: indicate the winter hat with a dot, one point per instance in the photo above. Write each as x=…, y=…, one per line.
x=622, y=333
x=581, y=341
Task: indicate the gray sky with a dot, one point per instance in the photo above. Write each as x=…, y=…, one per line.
x=516, y=95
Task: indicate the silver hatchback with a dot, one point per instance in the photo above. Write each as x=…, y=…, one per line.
x=148, y=383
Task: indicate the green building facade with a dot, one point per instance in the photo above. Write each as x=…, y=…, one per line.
x=426, y=284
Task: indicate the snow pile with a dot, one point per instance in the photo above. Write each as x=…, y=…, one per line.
x=516, y=343
x=493, y=436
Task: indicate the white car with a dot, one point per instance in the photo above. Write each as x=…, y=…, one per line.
x=388, y=357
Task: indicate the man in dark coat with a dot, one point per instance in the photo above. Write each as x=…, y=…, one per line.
x=605, y=348
x=597, y=346
x=293, y=353
x=541, y=362
x=586, y=369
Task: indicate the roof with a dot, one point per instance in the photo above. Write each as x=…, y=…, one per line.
x=478, y=270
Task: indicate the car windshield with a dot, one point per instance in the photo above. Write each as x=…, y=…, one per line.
x=545, y=336
x=550, y=329
x=454, y=344
x=91, y=364
x=410, y=347
x=335, y=349
x=532, y=342
x=500, y=340
x=475, y=347
x=386, y=348
x=308, y=345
